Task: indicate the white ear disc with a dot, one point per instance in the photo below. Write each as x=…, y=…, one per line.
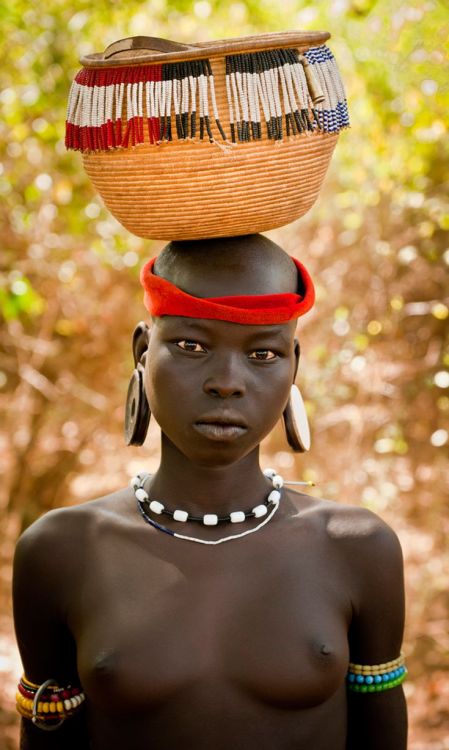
x=299, y=415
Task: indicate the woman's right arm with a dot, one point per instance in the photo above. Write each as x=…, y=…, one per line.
x=72, y=735
x=41, y=588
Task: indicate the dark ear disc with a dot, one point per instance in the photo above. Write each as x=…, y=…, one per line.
x=137, y=410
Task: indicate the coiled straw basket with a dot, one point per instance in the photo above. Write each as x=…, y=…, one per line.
x=210, y=139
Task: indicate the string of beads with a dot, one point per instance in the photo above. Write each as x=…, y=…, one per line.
x=210, y=519
x=48, y=702
x=364, y=678
x=267, y=509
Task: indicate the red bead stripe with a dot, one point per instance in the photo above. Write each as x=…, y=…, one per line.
x=109, y=134
x=127, y=74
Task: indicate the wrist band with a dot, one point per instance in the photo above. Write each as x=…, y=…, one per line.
x=47, y=705
x=374, y=678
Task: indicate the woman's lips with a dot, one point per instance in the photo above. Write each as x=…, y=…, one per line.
x=219, y=430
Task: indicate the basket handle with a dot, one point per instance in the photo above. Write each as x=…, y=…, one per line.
x=155, y=44
x=151, y=43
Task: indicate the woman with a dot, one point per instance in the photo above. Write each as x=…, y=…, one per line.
x=244, y=644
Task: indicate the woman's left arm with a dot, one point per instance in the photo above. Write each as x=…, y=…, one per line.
x=377, y=718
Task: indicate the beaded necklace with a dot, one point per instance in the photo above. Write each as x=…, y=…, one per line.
x=268, y=509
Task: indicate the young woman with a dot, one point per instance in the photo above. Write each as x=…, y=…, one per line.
x=252, y=642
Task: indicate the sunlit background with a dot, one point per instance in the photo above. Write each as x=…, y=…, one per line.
x=375, y=357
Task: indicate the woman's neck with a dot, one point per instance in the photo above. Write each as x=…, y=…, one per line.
x=199, y=489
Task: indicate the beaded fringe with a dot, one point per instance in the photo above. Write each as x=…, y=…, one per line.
x=179, y=100
x=174, y=97
x=332, y=113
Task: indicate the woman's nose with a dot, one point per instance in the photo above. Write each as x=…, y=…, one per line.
x=227, y=379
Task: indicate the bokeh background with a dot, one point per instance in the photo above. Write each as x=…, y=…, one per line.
x=375, y=353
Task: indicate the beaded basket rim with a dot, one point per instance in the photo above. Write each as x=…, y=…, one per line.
x=217, y=48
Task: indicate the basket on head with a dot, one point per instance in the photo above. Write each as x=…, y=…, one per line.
x=210, y=139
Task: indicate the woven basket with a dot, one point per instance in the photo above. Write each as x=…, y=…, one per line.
x=208, y=140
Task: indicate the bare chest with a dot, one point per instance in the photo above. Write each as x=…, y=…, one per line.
x=269, y=623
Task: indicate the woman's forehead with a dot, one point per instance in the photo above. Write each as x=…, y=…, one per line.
x=176, y=325
x=235, y=277
x=229, y=266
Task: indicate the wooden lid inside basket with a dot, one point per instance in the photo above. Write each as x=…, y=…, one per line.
x=142, y=49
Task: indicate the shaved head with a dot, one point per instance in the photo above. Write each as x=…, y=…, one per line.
x=250, y=264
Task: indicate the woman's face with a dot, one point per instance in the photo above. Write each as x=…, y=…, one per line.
x=215, y=388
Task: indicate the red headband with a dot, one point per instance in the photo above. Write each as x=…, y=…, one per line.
x=163, y=298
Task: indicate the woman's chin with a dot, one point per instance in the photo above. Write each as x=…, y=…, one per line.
x=213, y=452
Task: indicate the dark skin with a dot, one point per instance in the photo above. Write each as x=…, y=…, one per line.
x=241, y=645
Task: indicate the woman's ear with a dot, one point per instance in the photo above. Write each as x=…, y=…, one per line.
x=140, y=341
x=297, y=350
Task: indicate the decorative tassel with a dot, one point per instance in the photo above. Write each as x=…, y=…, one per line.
x=293, y=93
x=213, y=98
x=95, y=108
x=332, y=113
x=162, y=98
x=297, y=92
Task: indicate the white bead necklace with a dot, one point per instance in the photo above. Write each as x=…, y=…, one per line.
x=210, y=519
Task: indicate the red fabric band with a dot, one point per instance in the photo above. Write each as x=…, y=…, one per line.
x=161, y=297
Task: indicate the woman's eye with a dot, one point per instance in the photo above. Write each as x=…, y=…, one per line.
x=262, y=354
x=190, y=346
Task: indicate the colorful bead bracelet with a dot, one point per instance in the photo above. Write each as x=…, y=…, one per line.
x=47, y=705
x=377, y=668
x=367, y=678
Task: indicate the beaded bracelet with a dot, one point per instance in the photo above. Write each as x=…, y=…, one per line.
x=366, y=678
x=47, y=705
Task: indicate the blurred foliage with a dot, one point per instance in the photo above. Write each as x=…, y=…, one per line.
x=375, y=350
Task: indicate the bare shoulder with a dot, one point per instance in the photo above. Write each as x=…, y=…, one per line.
x=353, y=529
x=370, y=553
x=57, y=536
x=358, y=525
x=364, y=551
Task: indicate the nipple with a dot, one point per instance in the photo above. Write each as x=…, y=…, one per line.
x=325, y=650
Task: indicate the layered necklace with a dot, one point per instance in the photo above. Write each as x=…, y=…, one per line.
x=265, y=510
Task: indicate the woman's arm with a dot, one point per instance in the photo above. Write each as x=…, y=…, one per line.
x=377, y=720
x=41, y=583
x=70, y=736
